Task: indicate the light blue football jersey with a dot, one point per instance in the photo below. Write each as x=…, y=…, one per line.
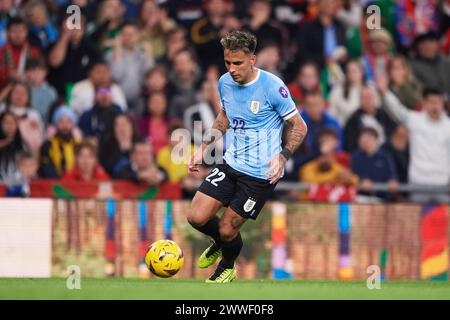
x=256, y=111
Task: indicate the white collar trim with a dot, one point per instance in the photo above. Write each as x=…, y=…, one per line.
x=253, y=81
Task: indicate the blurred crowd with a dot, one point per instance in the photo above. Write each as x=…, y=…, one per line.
x=100, y=101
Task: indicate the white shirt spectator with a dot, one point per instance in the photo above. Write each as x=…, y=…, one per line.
x=83, y=97
x=429, y=144
x=342, y=108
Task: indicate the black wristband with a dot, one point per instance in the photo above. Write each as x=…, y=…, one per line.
x=286, y=153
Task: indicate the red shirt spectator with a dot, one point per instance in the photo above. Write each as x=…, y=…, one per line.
x=98, y=174
x=15, y=52
x=86, y=168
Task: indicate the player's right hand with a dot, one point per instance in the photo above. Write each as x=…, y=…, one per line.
x=195, y=161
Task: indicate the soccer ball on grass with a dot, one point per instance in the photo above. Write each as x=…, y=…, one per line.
x=164, y=258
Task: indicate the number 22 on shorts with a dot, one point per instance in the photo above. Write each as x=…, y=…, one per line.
x=215, y=172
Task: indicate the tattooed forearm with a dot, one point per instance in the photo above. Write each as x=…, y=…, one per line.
x=295, y=133
x=218, y=129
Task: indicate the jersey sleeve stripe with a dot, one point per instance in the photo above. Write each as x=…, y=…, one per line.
x=289, y=114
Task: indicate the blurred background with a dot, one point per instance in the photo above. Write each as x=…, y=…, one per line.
x=86, y=116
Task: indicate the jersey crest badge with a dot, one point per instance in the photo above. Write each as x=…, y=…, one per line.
x=254, y=106
x=249, y=204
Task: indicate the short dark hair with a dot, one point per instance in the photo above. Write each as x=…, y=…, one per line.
x=99, y=62
x=129, y=23
x=155, y=69
x=328, y=131
x=141, y=141
x=35, y=63
x=14, y=84
x=237, y=40
x=308, y=63
x=15, y=21
x=90, y=144
x=431, y=92
x=189, y=50
x=312, y=93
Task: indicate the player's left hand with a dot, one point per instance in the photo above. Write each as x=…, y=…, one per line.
x=275, y=170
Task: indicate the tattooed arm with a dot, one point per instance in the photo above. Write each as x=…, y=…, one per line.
x=296, y=130
x=218, y=129
x=295, y=133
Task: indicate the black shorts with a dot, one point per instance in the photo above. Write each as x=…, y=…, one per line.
x=243, y=193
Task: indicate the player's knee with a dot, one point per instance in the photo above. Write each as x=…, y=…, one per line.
x=194, y=219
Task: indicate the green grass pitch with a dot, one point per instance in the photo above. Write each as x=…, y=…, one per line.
x=178, y=289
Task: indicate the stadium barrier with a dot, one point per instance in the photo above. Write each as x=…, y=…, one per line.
x=108, y=236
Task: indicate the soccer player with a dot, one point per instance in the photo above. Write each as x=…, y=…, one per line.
x=255, y=104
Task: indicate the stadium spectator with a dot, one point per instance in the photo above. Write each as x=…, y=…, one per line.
x=57, y=155
x=156, y=81
x=27, y=167
x=99, y=119
x=14, y=53
x=154, y=26
x=207, y=106
x=141, y=167
x=332, y=166
x=411, y=19
x=429, y=131
x=116, y=145
x=11, y=144
x=398, y=147
x=185, y=12
x=345, y=97
x=88, y=9
x=186, y=79
x=349, y=13
x=206, y=33
x=70, y=58
x=154, y=125
x=262, y=26
x=51, y=127
x=176, y=41
x=269, y=59
x=307, y=80
x=369, y=114
x=357, y=37
x=316, y=118
x=76, y=68
x=429, y=66
x=43, y=95
x=83, y=94
x=375, y=59
x=86, y=166
x=372, y=164
x=42, y=32
x=129, y=63
x=403, y=84
x=175, y=162
x=6, y=12
x=107, y=26
x=323, y=39
x=30, y=123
